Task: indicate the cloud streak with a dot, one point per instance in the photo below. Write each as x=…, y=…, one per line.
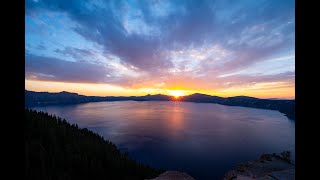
x=142, y=43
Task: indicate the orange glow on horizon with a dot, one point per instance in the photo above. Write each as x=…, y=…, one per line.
x=262, y=90
x=176, y=97
x=177, y=93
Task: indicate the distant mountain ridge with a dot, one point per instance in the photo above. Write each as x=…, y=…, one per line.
x=62, y=98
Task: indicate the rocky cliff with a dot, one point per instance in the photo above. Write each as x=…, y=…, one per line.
x=268, y=167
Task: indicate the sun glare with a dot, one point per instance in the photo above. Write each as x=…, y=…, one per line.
x=176, y=93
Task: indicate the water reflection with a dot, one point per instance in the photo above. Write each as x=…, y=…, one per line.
x=176, y=120
x=204, y=140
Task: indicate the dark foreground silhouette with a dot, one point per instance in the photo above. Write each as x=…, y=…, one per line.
x=55, y=149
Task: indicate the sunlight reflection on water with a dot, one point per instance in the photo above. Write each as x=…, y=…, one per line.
x=204, y=140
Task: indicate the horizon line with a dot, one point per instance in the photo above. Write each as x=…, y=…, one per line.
x=161, y=94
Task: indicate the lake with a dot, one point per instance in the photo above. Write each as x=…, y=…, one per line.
x=204, y=140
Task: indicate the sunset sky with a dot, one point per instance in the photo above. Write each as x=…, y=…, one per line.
x=224, y=47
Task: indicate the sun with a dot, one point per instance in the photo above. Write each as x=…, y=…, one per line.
x=176, y=93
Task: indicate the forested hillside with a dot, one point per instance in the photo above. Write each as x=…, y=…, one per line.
x=55, y=149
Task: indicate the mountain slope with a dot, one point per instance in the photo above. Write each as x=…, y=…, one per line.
x=284, y=106
x=55, y=149
x=44, y=98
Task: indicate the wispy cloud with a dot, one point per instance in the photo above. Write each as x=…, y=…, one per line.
x=189, y=44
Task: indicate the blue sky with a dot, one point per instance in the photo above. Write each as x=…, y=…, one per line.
x=223, y=46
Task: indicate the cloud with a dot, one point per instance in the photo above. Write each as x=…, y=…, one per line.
x=52, y=69
x=245, y=80
x=190, y=43
x=76, y=53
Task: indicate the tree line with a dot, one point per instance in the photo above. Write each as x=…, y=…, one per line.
x=56, y=149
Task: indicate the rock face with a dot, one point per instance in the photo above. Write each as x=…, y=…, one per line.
x=173, y=175
x=268, y=167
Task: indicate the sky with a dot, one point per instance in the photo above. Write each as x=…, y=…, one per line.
x=138, y=47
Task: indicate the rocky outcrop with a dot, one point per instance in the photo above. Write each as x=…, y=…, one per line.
x=268, y=167
x=173, y=175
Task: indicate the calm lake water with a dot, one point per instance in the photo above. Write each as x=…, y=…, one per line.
x=204, y=140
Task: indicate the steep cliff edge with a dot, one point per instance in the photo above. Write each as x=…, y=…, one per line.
x=267, y=167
